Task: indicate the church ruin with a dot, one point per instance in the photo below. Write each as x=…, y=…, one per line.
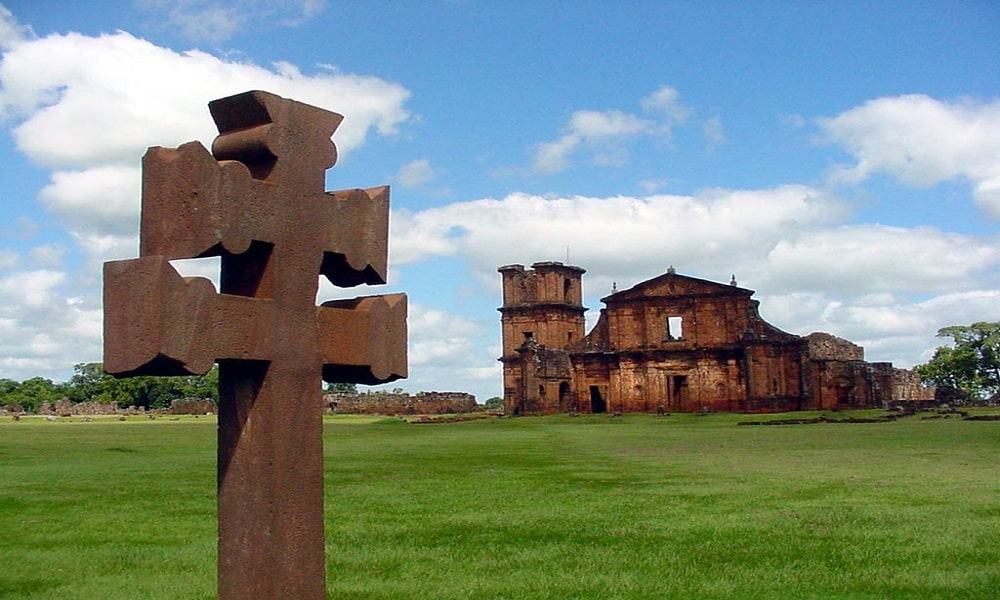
x=673, y=343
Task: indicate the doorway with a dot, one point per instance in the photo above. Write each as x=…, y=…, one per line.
x=565, y=399
x=677, y=391
x=597, y=403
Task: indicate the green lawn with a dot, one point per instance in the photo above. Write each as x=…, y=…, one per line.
x=558, y=507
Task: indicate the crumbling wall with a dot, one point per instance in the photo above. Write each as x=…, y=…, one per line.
x=64, y=408
x=385, y=403
x=907, y=386
x=824, y=346
x=193, y=406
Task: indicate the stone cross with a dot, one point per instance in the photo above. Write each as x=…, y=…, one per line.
x=258, y=202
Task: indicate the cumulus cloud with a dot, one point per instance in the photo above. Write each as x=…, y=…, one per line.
x=890, y=328
x=33, y=305
x=88, y=101
x=922, y=141
x=101, y=199
x=602, y=133
x=440, y=338
x=31, y=289
x=878, y=258
x=641, y=234
x=88, y=107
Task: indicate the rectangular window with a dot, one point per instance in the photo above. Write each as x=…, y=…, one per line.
x=675, y=330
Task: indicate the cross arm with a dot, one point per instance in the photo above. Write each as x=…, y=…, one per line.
x=356, y=242
x=363, y=340
x=157, y=322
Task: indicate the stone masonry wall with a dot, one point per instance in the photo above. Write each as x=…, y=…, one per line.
x=423, y=403
x=908, y=387
x=824, y=346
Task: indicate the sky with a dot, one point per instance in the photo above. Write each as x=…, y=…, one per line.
x=841, y=159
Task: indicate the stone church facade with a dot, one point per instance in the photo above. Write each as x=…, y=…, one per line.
x=673, y=343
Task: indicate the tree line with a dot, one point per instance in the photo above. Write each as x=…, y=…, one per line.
x=90, y=383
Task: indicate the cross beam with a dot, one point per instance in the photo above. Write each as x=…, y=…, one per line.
x=258, y=202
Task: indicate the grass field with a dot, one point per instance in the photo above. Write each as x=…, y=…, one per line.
x=533, y=508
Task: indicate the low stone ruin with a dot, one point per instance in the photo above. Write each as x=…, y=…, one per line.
x=193, y=406
x=65, y=408
x=385, y=403
x=182, y=406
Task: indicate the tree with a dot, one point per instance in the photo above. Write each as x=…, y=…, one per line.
x=494, y=403
x=87, y=382
x=971, y=364
x=341, y=388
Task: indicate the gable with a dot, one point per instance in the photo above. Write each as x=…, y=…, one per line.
x=672, y=285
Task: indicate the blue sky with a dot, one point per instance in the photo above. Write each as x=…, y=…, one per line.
x=842, y=159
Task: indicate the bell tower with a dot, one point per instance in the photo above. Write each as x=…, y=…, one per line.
x=542, y=312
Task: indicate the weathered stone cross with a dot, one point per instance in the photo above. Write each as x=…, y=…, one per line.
x=259, y=203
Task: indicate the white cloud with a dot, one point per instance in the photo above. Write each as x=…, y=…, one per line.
x=646, y=233
x=713, y=130
x=217, y=20
x=95, y=101
x=664, y=101
x=447, y=350
x=591, y=129
x=601, y=133
x=9, y=259
x=33, y=290
x=89, y=107
x=101, y=247
x=922, y=141
x=653, y=185
x=46, y=255
x=42, y=330
x=877, y=258
x=552, y=157
x=22, y=228
x=206, y=23
x=101, y=199
x=415, y=173
x=892, y=330
x=440, y=338
x=11, y=32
